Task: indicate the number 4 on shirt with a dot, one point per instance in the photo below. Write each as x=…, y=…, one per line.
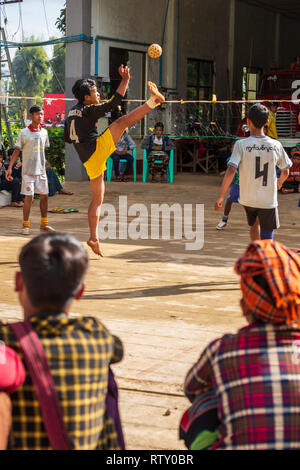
x=73, y=135
x=263, y=172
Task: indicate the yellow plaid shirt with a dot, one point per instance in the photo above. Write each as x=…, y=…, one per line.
x=78, y=351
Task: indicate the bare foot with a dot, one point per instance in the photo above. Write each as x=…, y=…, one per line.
x=63, y=191
x=287, y=191
x=95, y=245
x=159, y=98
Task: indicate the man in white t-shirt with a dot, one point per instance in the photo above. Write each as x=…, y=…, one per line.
x=32, y=141
x=257, y=157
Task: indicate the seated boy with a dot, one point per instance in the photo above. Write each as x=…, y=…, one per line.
x=292, y=184
x=158, y=148
x=78, y=350
x=13, y=185
x=54, y=183
x=125, y=144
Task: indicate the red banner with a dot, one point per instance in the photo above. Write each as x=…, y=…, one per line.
x=54, y=108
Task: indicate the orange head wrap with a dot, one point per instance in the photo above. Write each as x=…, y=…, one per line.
x=270, y=282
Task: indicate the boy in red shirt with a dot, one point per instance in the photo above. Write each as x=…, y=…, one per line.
x=292, y=184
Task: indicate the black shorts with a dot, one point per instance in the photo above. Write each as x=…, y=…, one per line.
x=268, y=218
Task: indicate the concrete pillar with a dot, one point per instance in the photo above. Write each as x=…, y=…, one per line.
x=277, y=39
x=170, y=48
x=169, y=64
x=231, y=47
x=78, y=65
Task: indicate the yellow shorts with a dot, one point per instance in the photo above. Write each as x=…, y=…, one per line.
x=96, y=164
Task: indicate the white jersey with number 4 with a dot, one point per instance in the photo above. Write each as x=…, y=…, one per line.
x=257, y=158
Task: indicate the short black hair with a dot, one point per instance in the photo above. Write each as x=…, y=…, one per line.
x=258, y=114
x=82, y=87
x=35, y=109
x=53, y=267
x=159, y=124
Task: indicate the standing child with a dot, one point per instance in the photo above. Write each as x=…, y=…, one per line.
x=257, y=157
x=272, y=130
x=32, y=141
x=234, y=195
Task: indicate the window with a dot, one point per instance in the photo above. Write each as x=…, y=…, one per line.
x=251, y=77
x=199, y=79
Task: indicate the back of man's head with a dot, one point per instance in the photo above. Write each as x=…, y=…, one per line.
x=82, y=87
x=53, y=266
x=258, y=114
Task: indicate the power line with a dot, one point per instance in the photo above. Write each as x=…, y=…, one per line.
x=21, y=20
x=50, y=60
x=46, y=18
x=18, y=24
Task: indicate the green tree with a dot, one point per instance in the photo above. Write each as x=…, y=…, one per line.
x=15, y=128
x=56, y=153
x=57, y=81
x=31, y=68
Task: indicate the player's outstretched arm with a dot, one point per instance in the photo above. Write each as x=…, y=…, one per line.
x=125, y=74
x=116, y=100
x=227, y=180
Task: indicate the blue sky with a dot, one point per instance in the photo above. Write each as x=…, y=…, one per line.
x=33, y=20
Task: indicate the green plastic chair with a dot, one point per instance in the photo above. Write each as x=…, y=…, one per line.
x=170, y=169
x=109, y=166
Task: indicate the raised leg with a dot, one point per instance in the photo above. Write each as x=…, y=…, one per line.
x=118, y=127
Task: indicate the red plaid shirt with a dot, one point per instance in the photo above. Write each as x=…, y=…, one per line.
x=256, y=376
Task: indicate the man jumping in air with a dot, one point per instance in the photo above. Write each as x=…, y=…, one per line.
x=94, y=150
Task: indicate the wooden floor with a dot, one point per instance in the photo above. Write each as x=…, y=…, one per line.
x=164, y=302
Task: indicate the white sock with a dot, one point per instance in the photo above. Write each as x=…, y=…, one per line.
x=152, y=103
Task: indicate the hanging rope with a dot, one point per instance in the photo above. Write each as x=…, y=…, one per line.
x=66, y=39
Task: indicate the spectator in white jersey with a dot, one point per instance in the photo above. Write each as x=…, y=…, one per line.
x=257, y=157
x=32, y=141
